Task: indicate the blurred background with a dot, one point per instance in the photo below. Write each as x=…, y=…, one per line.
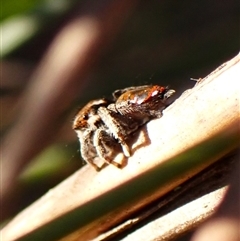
x=159, y=42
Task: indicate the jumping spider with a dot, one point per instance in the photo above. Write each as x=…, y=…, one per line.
x=103, y=124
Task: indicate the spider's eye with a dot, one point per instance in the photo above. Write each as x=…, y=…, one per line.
x=85, y=117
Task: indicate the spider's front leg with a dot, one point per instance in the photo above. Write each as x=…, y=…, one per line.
x=87, y=148
x=118, y=125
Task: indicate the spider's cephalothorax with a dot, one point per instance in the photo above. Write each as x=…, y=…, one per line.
x=103, y=124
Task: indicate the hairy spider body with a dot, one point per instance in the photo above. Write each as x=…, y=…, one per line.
x=102, y=124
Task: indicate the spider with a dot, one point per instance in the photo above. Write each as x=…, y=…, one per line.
x=103, y=124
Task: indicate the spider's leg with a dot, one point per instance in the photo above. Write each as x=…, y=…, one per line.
x=87, y=148
x=104, y=144
x=119, y=126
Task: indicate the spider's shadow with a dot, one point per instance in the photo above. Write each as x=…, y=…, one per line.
x=136, y=141
x=140, y=139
